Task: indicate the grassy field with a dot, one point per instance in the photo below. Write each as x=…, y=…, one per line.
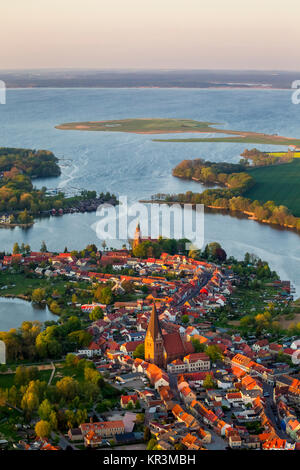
x=19, y=284
x=283, y=154
x=278, y=183
x=144, y=126
x=164, y=126
x=7, y=380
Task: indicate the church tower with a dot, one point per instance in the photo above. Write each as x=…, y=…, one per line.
x=137, y=236
x=154, y=343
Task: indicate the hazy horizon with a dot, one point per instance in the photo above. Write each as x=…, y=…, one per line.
x=168, y=35
x=140, y=69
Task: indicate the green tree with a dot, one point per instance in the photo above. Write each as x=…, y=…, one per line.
x=45, y=410
x=214, y=353
x=20, y=376
x=38, y=295
x=208, y=382
x=198, y=347
x=96, y=314
x=55, y=308
x=43, y=248
x=68, y=387
x=151, y=444
x=91, y=375
x=16, y=249
x=42, y=429
x=139, y=352
x=103, y=295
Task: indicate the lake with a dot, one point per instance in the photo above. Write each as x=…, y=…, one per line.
x=135, y=166
x=14, y=311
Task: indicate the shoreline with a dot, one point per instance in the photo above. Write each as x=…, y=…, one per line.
x=16, y=296
x=214, y=87
x=225, y=211
x=3, y=225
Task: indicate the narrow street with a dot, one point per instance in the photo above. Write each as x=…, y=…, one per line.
x=271, y=413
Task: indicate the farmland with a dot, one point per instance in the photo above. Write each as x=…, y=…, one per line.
x=278, y=183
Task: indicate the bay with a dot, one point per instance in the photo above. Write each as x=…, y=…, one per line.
x=135, y=166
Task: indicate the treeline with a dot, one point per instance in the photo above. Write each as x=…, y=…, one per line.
x=19, y=198
x=221, y=173
x=32, y=342
x=22, y=201
x=259, y=158
x=230, y=198
x=34, y=163
x=153, y=249
x=227, y=200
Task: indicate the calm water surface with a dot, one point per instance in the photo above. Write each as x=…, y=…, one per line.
x=135, y=166
x=14, y=311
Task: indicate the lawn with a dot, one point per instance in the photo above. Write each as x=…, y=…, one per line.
x=20, y=284
x=278, y=183
x=7, y=380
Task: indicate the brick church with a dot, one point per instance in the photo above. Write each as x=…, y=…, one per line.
x=162, y=348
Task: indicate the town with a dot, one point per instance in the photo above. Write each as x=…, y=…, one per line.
x=148, y=353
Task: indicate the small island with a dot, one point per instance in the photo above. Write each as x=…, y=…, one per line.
x=172, y=126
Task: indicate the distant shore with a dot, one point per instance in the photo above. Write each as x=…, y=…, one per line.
x=212, y=209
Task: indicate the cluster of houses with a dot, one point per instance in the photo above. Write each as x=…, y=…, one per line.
x=248, y=399
x=236, y=400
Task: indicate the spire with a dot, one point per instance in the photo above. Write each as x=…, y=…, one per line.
x=137, y=236
x=154, y=326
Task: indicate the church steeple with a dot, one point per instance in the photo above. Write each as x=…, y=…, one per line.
x=137, y=236
x=154, y=326
x=154, y=343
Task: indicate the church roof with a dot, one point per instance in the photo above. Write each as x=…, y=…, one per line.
x=173, y=344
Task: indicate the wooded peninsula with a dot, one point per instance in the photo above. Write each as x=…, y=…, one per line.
x=245, y=189
x=20, y=201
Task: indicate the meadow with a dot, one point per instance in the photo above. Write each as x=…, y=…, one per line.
x=143, y=126
x=278, y=183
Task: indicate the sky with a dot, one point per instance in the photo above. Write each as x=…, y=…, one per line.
x=182, y=34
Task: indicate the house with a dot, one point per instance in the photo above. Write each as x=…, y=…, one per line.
x=197, y=362
x=176, y=366
x=262, y=344
x=130, y=347
x=187, y=394
x=75, y=434
x=128, y=400
x=191, y=442
x=103, y=428
x=235, y=441
x=234, y=397
x=162, y=380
